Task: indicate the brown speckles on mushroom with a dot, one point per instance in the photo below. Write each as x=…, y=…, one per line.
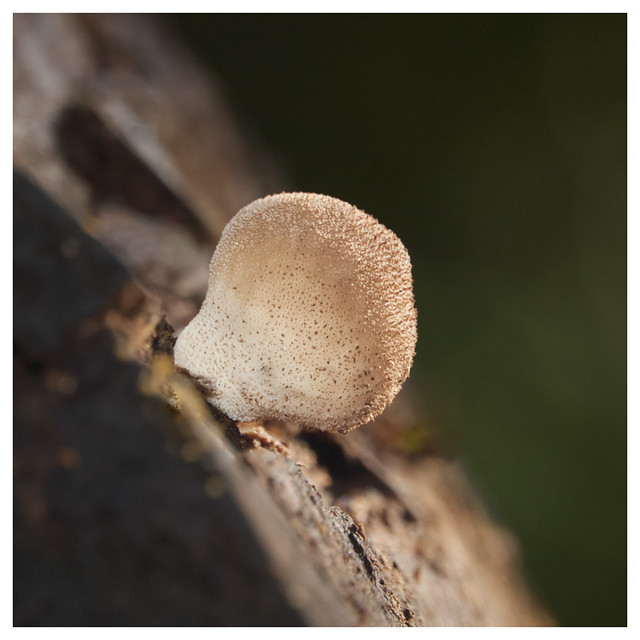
x=309, y=315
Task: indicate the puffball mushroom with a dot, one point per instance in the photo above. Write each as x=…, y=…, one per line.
x=309, y=316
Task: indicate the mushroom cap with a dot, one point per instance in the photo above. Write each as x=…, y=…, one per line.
x=309, y=316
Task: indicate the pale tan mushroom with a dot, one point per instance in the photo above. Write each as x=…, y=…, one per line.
x=309, y=315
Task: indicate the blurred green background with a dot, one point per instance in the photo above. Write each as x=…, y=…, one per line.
x=495, y=147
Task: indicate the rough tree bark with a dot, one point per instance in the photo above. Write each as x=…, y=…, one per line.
x=134, y=504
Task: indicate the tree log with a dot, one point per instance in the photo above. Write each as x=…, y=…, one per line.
x=135, y=504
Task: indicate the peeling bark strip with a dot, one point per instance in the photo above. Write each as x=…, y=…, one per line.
x=134, y=504
x=112, y=171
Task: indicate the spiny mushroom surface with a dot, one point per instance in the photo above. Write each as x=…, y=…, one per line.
x=309, y=315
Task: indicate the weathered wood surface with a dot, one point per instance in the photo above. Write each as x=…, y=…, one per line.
x=134, y=504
